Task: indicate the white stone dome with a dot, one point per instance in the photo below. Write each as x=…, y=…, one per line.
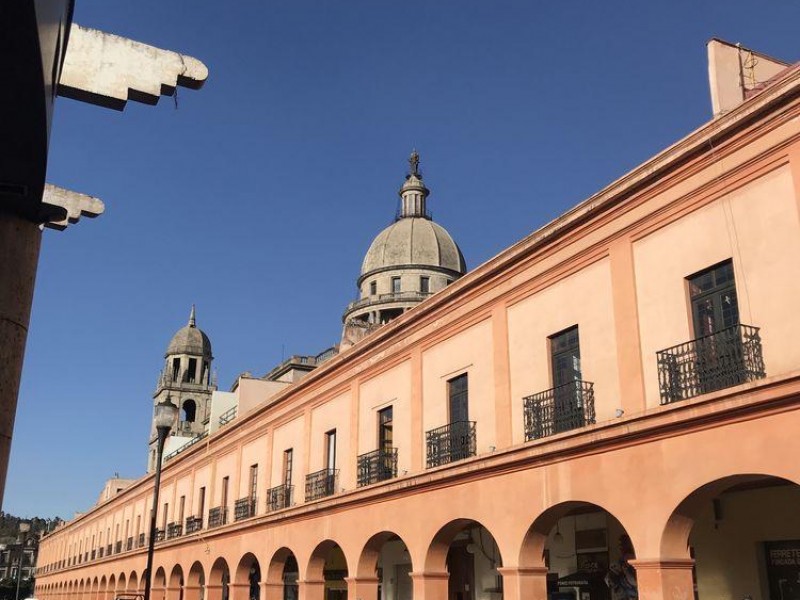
x=413, y=241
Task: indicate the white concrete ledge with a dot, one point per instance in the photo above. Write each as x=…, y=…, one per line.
x=76, y=204
x=108, y=70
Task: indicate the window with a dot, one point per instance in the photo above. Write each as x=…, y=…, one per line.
x=253, y=482
x=176, y=368
x=191, y=373
x=189, y=411
x=565, y=357
x=330, y=450
x=458, y=394
x=425, y=285
x=288, y=458
x=224, y=499
x=713, y=298
x=385, y=429
x=373, y=288
x=395, y=285
x=164, y=516
x=201, y=502
x=181, y=508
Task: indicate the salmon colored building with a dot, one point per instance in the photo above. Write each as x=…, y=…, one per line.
x=607, y=409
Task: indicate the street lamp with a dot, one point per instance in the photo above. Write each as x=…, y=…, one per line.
x=163, y=419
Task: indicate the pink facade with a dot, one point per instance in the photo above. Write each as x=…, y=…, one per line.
x=690, y=452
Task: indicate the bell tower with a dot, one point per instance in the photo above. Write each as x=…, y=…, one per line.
x=188, y=382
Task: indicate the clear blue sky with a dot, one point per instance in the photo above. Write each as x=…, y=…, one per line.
x=258, y=197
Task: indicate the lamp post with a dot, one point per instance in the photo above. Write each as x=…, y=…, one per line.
x=163, y=419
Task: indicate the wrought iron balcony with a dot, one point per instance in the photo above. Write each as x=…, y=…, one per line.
x=279, y=497
x=140, y=541
x=94, y=554
x=160, y=535
x=118, y=547
x=108, y=549
x=217, y=516
x=174, y=530
x=451, y=442
x=129, y=544
x=244, y=508
x=713, y=362
x=378, y=465
x=562, y=408
x=321, y=484
x=100, y=552
x=193, y=524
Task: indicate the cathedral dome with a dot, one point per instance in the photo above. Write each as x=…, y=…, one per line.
x=190, y=340
x=413, y=241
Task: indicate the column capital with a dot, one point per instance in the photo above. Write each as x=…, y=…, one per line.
x=661, y=563
x=429, y=576
x=523, y=571
x=362, y=579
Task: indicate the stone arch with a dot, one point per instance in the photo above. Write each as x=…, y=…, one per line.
x=188, y=411
x=218, y=572
x=318, y=558
x=674, y=541
x=160, y=578
x=122, y=582
x=277, y=564
x=248, y=574
x=436, y=556
x=112, y=587
x=95, y=589
x=176, y=577
x=533, y=545
x=133, y=582
x=368, y=560
x=196, y=577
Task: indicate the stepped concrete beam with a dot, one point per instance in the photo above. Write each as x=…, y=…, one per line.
x=108, y=70
x=76, y=204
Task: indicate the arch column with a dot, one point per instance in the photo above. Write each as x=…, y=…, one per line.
x=271, y=590
x=158, y=593
x=172, y=593
x=214, y=592
x=524, y=583
x=362, y=588
x=311, y=589
x=239, y=591
x=429, y=586
x=664, y=578
x=191, y=592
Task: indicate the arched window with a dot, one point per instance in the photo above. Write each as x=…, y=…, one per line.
x=189, y=411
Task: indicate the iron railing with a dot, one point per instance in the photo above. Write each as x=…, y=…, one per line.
x=384, y=298
x=713, y=362
x=279, y=497
x=174, y=530
x=378, y=465
x=321, y=484
x=244, y=508
x=100, y=552
x=118, y=547
x=94, y=554
x=129, y=544
x=562, y=408
x=160, y=535
x=193, y=524
x=228, y=416
x=109, y=548
x=451, y=442
x=217, y=516
x=140, y=542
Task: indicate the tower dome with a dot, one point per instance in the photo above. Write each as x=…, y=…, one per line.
x=190, y=340
x=408, y=261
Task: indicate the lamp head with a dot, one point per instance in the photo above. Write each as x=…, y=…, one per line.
x=164, y=416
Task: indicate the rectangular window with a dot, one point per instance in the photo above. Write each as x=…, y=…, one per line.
x=330, y=450
x=395, y=285
x=288, y=458
x=458, y=396
x=201, y=502
x=713, y=297
x=181, y=508
x=224, y=500
x=164, y=516
x=138, y=528
x=385, y=429
x=565, y=357
x=253, y=481
x=373, y=288
x=191, y=373
x=176, y=368
x=425, y=285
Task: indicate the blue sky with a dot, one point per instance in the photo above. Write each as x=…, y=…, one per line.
x=257, y=198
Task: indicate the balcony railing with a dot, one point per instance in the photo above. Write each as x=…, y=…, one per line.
x=713, y=362
x=321, y=484
x=279, y=497
x=451, y=442
x=108, y=549
x=118, y=547
x=217, y=516
x=129, y=544
x=100, y=552
x=193, y=524
x=174, y=530
x=140, y=541
x=378, y=465
x=384, y=298
x=228, y=416
x=244, y=508
x=562, y=408
x=160, y=535
x=94, y=554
